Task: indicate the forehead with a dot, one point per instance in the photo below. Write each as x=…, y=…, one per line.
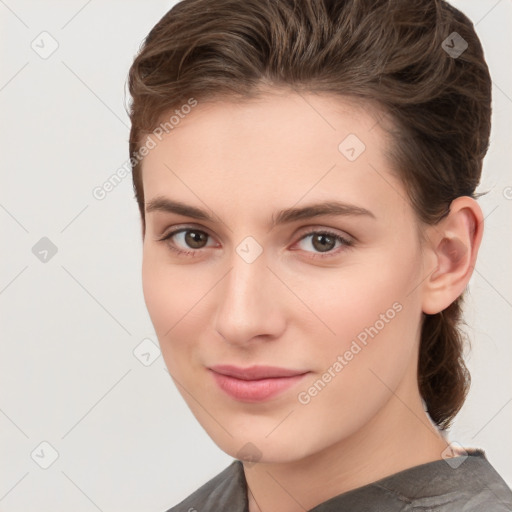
x=275, y=149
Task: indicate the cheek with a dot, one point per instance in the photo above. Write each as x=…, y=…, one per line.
x=167, y=294
x=158, y=296
x=364, y=364
x=373, y=315
x=360, y=297
x=175, y=297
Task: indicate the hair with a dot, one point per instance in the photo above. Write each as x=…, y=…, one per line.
x=388, y=53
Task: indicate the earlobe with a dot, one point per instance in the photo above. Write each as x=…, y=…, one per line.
x=454, y=243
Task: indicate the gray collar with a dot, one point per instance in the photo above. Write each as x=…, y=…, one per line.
x=468, y=483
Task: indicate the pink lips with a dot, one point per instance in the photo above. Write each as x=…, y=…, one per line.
x=256, y=383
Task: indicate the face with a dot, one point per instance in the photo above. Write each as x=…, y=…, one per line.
x=260, y=279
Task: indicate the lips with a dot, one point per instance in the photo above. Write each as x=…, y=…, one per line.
x=255, y=383
x=255, y=372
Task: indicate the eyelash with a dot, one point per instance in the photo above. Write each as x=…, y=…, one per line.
x=345, y=243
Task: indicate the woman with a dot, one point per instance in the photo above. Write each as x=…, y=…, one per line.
x=305, y=172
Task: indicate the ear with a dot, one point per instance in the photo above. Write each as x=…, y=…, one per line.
x=451, y=252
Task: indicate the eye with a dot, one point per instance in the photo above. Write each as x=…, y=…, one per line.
x=324, y=242
x=190, y=240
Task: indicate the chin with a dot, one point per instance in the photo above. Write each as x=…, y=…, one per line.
x=252, y=446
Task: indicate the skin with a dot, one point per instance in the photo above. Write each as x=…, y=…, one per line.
x=242, y=162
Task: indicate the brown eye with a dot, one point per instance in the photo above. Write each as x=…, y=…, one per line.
x=186, y=241
x=195, y=239
x=323, y=242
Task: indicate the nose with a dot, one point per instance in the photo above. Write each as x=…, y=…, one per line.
x=249, y=303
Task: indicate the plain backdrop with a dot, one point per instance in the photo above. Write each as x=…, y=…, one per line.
x=79, y=394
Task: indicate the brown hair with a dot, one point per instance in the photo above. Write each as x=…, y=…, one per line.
x=389, y=53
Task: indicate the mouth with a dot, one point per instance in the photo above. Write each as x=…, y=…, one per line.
x=255, y=383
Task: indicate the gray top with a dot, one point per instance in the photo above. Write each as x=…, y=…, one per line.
x=463, y=484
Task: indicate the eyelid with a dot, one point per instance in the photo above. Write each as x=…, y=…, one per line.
x=182, y=227
x=304, y=231
x=323, y=229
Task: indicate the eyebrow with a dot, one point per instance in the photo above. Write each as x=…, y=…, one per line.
x=287, y=215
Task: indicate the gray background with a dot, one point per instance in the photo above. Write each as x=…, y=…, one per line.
x=71, y=323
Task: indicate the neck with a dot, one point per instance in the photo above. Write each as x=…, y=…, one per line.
x=399, y=437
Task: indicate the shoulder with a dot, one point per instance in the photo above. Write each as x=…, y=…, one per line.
x=225, y=491
x=468, y=482
x=482, y=487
